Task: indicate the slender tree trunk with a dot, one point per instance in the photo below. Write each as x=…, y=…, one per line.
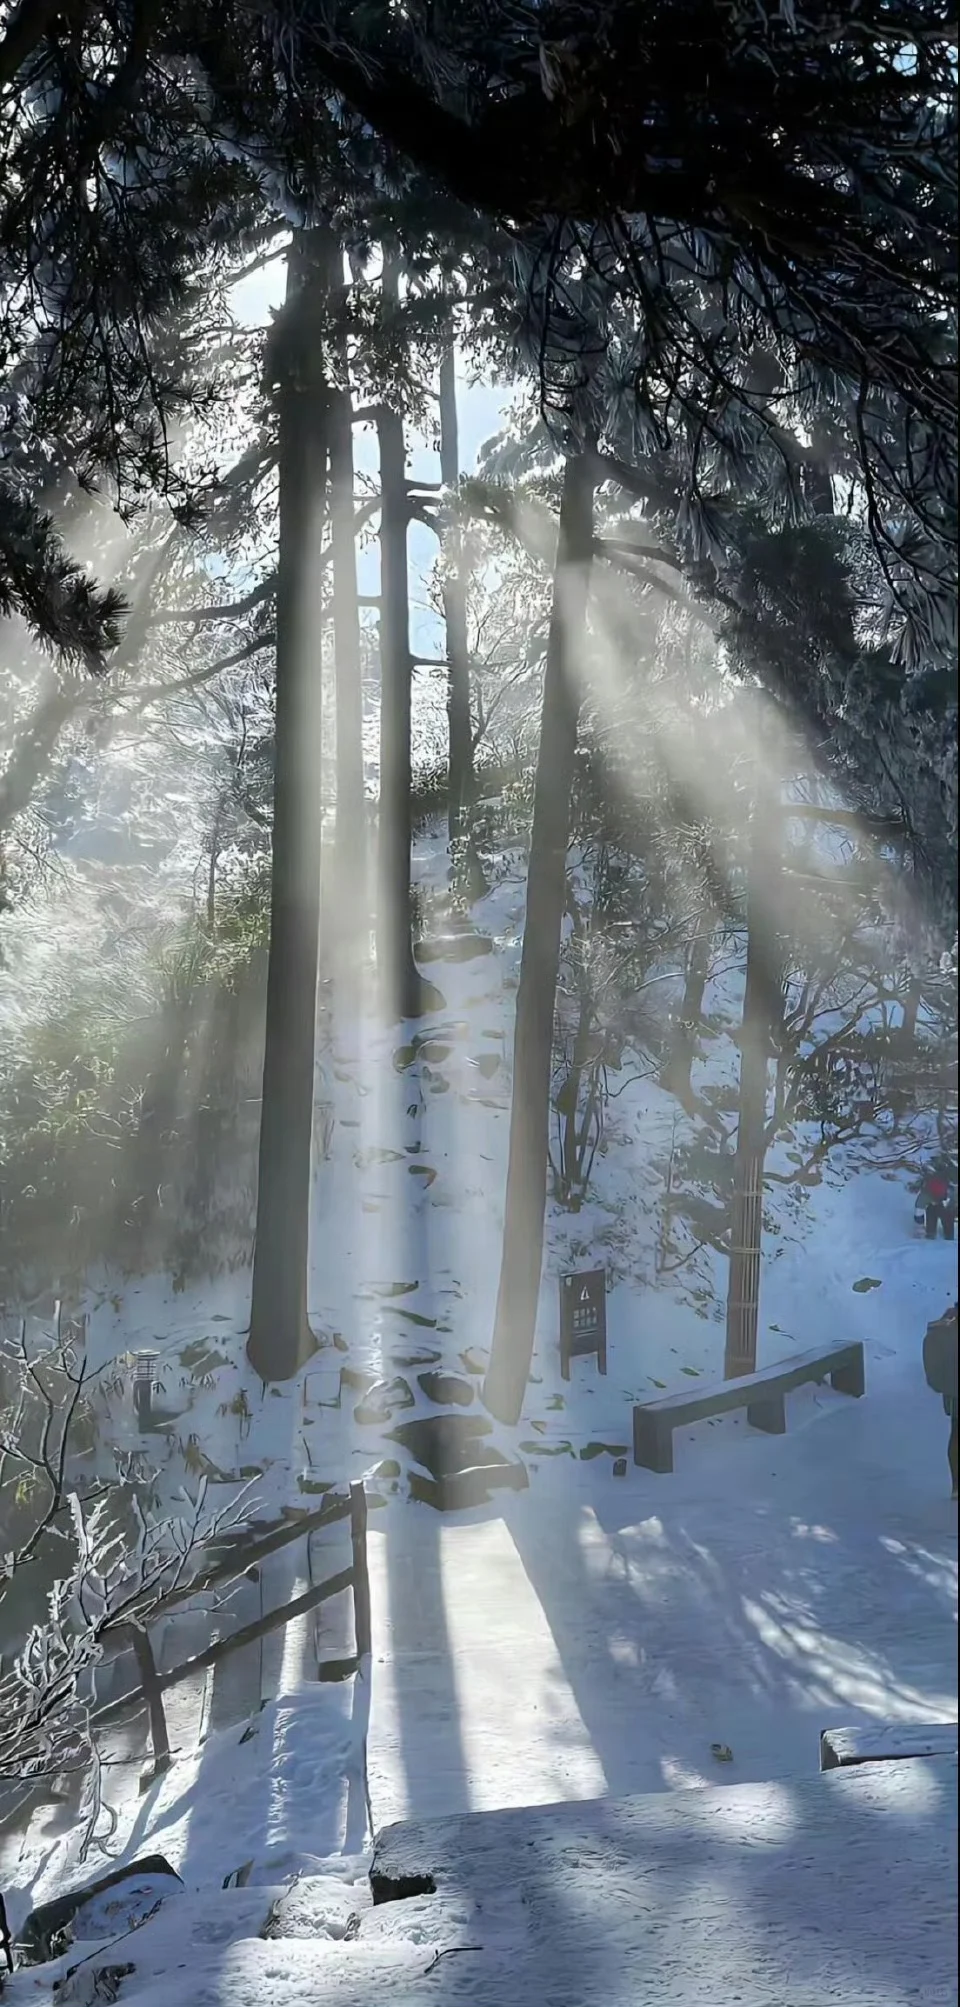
x=911, y=1013
x=522, y=1255
x=212, y=866
x=351, y=832
x=459, y=722
x=33, y=750
x=279, y=1332
x=158, y=1114
x=574, y=1127
x=761, y=1009
x=404, y=992
x=679, y=1062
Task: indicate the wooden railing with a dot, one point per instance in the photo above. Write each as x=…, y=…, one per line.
x=246, y=1554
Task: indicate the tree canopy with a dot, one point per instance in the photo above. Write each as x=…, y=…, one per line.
x=765, y=196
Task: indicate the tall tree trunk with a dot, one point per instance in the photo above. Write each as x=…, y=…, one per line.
x=459, y=723
x=678, y=1065
x=351, y=832
x=279, y=1332
x=523, y=1215
x=404, y=992
x=761, y=1011
x=911, y=1012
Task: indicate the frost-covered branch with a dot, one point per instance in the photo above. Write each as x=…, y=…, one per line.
x=46, y=1696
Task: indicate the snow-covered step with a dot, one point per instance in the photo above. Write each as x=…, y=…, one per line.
x=254, y=1972
x=764, y=1893
x=329, y=1551
x=772, y=1894
x=886, y=1742
x=287, y=1654
x=185, y=1705
x=472, y=1705
x=234, y=1687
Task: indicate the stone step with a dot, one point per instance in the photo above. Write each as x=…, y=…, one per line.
x=767, y=1893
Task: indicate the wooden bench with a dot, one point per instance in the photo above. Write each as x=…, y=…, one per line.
x=762, y=1394
x=886, y=1742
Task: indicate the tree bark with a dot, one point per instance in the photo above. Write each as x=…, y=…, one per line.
x=403, y=990
x=675, y=1077
x=350, y=886
x=761, y=1011
x=522, y=1255
x=459, y=722
x=574, y=1127
x=279, y=1332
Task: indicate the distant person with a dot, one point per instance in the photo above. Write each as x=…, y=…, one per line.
x=937, y=1200
x=940, y=1367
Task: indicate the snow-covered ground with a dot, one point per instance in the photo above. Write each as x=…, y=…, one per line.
x=596, y=1634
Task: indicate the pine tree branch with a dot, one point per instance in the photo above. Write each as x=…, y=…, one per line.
x=63, y=608
x=200, y=616
x=626, y=563
x=25, y=30
x=625, y=547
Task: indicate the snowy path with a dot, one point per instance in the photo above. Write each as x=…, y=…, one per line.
x=599, y=1635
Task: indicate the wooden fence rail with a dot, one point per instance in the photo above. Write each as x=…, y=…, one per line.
x=153, y=1683
x=245, y=1552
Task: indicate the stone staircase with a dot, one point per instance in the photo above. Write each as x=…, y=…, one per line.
x=784, y=1894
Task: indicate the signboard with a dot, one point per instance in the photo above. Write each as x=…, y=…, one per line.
x=583, y=1318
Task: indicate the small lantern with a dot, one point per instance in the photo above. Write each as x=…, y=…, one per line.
x=143, y=1366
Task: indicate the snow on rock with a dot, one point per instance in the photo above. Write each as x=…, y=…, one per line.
x=122, y=1907
x=767, y=1894
x=183, y=1932
x=254, y=1973
x=321, y=1905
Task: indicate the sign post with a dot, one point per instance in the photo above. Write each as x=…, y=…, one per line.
x=583, y=1318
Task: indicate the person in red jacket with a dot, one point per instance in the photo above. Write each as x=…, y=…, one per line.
x=937, y=1200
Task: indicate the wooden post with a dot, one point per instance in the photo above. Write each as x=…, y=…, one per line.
x=153, y=1695
x=361, y=1576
